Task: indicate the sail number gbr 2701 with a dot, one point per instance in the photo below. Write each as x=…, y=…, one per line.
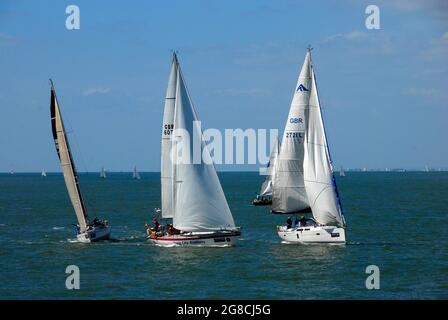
x=295, y=135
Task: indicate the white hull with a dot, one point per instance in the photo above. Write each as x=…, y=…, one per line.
x=94, y=234
x=312, y=234
x=197, y=239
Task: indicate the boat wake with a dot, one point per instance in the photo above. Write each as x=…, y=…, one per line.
x=189, y=248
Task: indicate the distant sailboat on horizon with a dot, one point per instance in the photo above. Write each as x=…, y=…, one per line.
x=86, y=231
x=135, y=174
x=43, y=173
x=304, y=180
x=342, y=172
x=103, y=173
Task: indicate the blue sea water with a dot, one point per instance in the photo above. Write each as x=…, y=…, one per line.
x=397, y=221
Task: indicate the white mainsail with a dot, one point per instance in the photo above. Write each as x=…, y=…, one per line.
x=66, y=160
x=342, y=172
x=319, y=179
x=166, y=170
x=289, y=193
x=266, y=187
x=199, y=201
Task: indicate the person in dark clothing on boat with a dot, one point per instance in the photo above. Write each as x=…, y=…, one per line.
x=96, y=222
x=302, y=221
x=156, y=224
x=289, y=223
x=296, y=222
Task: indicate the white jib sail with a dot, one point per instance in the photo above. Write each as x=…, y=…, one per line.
x=318, y=170
x=166, y=170
x=68, y=167
x=266, y=187
x=289, y=193
x=199, y=201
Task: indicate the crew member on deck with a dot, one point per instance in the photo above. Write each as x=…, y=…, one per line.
x=156, y=224
x=289, y=223
x=296, y=222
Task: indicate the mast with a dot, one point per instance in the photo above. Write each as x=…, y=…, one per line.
x=166, y=167
x=66, y=160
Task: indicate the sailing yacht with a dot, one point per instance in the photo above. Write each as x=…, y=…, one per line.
x=103, y=173
x=135, y=174
x=304, y=180
x=341, y=172
x=192, y=195
x=43, y=173
x=264, y=198
x=86, y=232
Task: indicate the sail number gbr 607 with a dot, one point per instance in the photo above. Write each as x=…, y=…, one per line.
x=168, y=129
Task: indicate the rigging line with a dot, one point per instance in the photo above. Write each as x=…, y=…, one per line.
x=83, y=163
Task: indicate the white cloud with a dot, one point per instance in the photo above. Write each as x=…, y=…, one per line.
x=373, y=42
x=354, y=35
x=95, y=90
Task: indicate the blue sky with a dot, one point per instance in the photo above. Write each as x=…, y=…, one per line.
x=383, y=92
